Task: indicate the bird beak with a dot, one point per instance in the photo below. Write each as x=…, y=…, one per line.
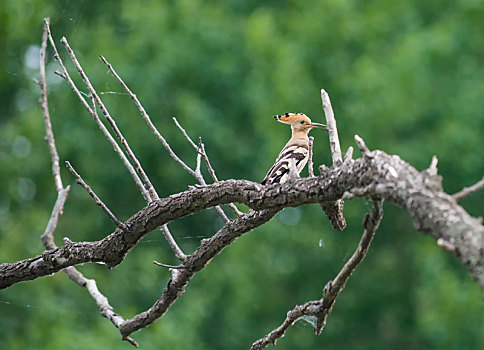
x=319, y=126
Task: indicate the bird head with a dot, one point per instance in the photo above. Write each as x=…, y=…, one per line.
x=299, y=122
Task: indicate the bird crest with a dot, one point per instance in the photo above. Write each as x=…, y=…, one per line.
x=290, y=118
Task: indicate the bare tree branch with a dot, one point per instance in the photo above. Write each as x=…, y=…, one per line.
x=146, y=195
x=102, y=302
x=172, y=243
x=211, y=171
x=177, y=267
x=201, y=179
x=47, y=237
x=332, y=129
x=92, y=111
x=149, y=194
x=148, y=121
x=362, y=146
x=333, y=210
x=201, y=150
x=164, y=228
x=49, y=138
x=184, y=132
x=469, y=190
x=195, y=262
x=196, y=173
x=320, y=309
x=139, y=169
x=94, y=196
x=432, y=210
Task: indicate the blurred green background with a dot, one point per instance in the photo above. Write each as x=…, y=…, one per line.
x=405, y=75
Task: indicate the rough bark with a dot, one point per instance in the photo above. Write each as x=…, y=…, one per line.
x=376, y=174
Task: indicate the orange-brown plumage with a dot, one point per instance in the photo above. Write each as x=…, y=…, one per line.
x=295, y=153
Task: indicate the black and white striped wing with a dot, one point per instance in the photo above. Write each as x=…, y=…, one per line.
x=279, y=173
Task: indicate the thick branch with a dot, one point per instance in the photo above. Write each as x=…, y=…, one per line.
x=377, y=174
x=209, y=248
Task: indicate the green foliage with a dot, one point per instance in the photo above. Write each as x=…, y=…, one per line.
x=405, y=75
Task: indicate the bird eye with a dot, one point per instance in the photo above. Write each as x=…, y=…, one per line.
x=302, y=121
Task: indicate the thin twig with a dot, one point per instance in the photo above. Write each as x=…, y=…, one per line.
x=310, y=160
x=201, y=150
x=49, y=135
x=362, y=146
x=184, y=132
x=199, y=159
x=112, y=123
x=164, y=229
x=201, y=179
x=60, y=74
x=47, y=237
x=147, y=119
x=211, y=171
x=172, y=243
x=210, y=168
x=469, y=190
x=119, y=151
x=101, y=301
x=322, y=307
x=94, y=196
x=432, y=170
x=442, y=243
x=64, y=69
x=178, y=267
x=93, y=112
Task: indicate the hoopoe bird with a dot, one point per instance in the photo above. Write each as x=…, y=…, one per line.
x=295, y=154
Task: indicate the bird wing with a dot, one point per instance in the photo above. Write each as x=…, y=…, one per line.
x=293, y=152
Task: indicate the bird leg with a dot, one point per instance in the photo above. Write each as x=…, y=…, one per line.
x=293, y=173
